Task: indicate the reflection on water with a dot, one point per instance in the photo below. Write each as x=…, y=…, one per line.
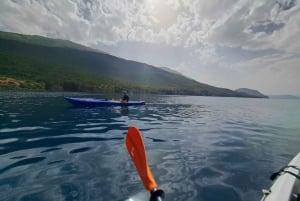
x=199, y=148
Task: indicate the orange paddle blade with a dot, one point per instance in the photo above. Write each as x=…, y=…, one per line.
x=136, y=149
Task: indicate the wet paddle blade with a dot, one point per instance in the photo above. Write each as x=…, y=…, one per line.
x=136, y=149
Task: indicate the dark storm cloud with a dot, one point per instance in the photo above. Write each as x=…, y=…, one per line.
x=267, y=27
x=84, y=9
x=286, y=5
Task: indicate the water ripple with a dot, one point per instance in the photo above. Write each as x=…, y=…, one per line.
x=26, y=161
x=31, y=128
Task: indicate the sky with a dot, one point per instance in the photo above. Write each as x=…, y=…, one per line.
x=231, y=44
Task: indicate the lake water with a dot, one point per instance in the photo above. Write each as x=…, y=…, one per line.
x=199, y=148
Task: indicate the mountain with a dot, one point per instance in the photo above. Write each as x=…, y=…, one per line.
x=251, y=92
x=39, y=63
x=171, y=70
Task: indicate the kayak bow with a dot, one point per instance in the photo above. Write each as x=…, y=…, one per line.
x=136, y=149
x=286, y=186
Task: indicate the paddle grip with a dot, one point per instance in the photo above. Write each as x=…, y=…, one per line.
x=157, y=195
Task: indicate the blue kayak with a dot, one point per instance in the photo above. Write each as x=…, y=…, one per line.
x=100, y=102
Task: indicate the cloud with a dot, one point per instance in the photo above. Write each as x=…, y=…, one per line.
x=43, y=18
x=210, y=39
x=234, y=23
x=248, y=24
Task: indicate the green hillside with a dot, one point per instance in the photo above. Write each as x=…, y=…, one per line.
x=39, y=63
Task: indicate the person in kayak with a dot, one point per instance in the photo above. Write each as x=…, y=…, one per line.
x=125, y=97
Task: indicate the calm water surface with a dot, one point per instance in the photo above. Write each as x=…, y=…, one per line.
x=199, y=148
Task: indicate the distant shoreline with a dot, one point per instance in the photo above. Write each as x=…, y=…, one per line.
x=117, y=92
